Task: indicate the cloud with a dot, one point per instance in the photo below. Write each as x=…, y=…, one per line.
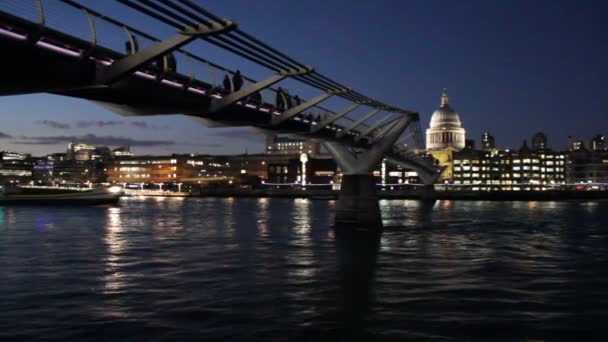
x=107, y=140
x=98, y=123
x=145, y=125
x=54, y=124
x=4, y=136
x=241, y=134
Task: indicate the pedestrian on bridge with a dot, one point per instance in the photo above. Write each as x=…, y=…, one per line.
x=237, y=80
x=297, y=101
x=280, y=99
x=227, y=84
x=288, y=99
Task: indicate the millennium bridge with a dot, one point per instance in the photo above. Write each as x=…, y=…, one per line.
x=65, y=48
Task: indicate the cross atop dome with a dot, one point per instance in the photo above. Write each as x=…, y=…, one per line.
x=444, y=97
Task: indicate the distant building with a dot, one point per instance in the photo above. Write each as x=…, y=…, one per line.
x=192, y=168
x=283, y=145
x=506, y=170
x=84, y=152
x=318, y=170
x=576, y=145
x=123, y=151
x=487, y=141
x=588, y=164
x=445, y=136
x=58, y=168
x=157, y=169
x=598, y=143
x=15, y=167
x=539, y=141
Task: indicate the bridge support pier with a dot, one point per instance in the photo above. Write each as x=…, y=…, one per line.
x=428, y=193
x=357, y=205
x=358, y=202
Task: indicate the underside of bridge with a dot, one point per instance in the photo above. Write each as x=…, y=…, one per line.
x=38, y=59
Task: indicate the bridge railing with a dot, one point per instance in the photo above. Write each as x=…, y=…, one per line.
x=88, y=25
x=73, y=19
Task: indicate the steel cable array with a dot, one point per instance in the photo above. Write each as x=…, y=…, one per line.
x=185, y=13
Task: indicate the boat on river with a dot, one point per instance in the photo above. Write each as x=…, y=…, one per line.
x=49, y=195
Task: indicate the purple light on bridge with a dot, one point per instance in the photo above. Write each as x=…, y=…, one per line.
x=197, y=91
x=171, y=83
x=12, y=34
x=144, y=75
x=59, y=49
x=217, y=96
x=250, y=106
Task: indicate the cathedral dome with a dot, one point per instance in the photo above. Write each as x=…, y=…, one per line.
x=445, y=116
x=445, y=131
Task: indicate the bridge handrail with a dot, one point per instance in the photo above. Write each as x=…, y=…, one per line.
x=88, y=11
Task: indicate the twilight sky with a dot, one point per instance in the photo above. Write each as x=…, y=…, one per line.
x=511, y=68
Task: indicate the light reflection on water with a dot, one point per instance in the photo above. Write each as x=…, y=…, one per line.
x=273, y=269
x=115, y=242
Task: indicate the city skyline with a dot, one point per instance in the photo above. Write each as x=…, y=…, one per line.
x=524, y=84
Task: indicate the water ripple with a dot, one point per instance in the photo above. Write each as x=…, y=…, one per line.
x=273, y=270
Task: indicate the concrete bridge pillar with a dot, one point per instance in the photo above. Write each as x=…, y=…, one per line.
x=357, y=205
x=428, y=193
x=358, y=202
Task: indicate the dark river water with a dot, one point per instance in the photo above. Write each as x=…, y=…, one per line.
x=274, y=270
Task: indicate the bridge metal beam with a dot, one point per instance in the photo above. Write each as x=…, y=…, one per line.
x=364, y=163
x=358, y=122
x=427, y=173
x=331, y=119
x=288, y=114
x=404, y=138
x=236, y=96
x=383, y=131
x=375, y=125
x=129, y=64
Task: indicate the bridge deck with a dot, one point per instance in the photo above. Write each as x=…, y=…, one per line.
x=41, y=59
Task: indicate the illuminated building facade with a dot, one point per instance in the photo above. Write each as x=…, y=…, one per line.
x=445, y=136
x=158, y=169
x=15, y=167
x=506, y=170
x=318, y=170
x=282, y=145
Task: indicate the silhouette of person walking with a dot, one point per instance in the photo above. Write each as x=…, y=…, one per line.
x=237, y=80
x=280, y=99
x=297, y=101
x=227, y=84
x=288, y=99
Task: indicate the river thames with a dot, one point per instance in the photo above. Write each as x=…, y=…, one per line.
x=226, y=269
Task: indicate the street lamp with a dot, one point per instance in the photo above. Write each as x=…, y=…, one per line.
x=303, y=159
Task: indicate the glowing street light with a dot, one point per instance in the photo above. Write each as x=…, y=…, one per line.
x=303, y=159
